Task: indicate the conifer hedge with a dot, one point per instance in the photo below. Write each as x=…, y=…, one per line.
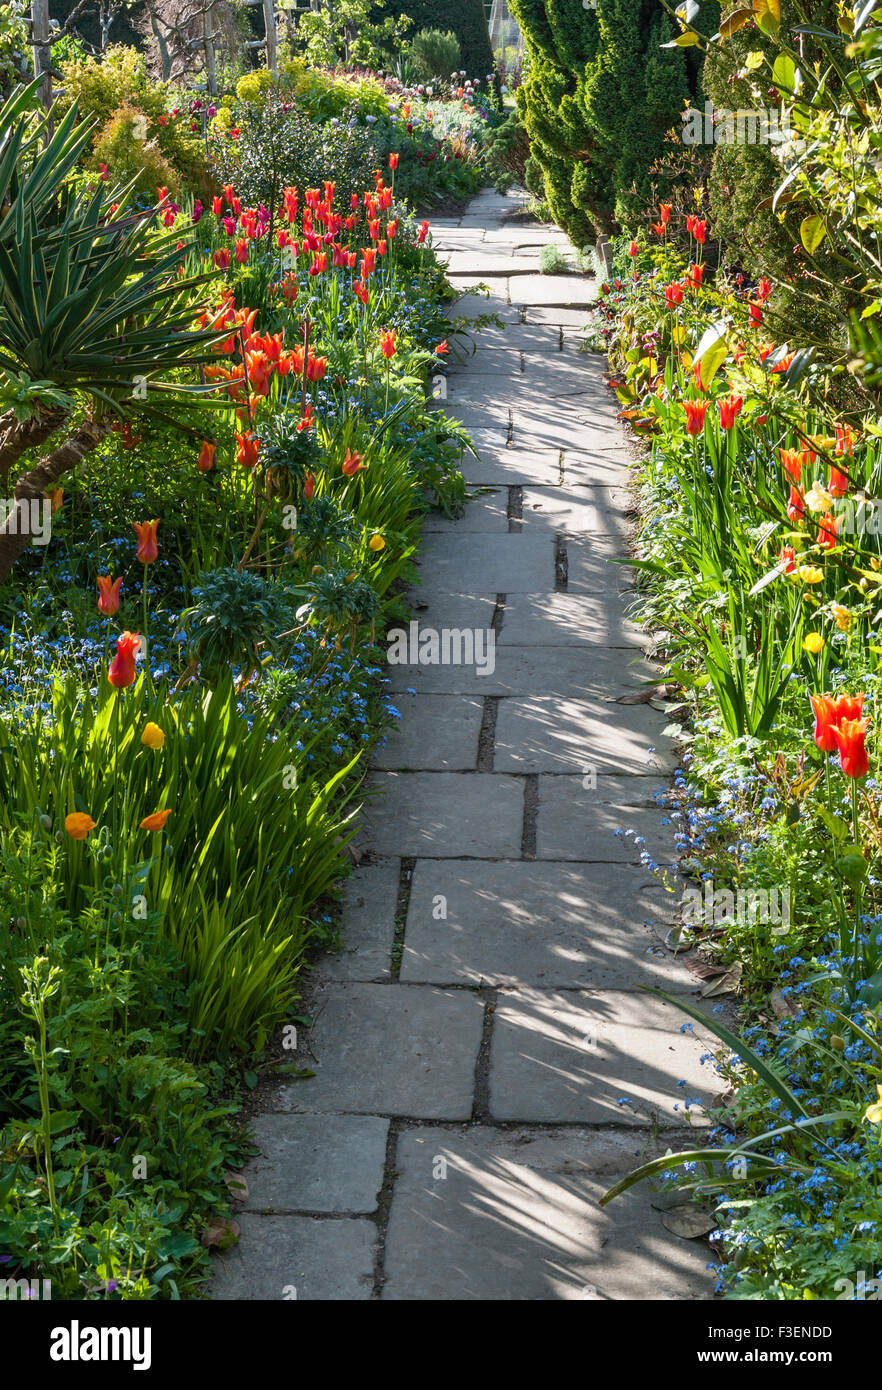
x=466, y=18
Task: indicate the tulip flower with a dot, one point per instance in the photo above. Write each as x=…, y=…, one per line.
x=696, y=276
x=796, y=506
x=78, y=825
x=837, y=485
x=849, y=737
x=844, y=617
x=423, y=232
x=827, y=527
x=442, y=348
x=873, y=1113
x=393, y=161
x=792, y=461
x=56, y=497
x=788, y=559
x=121, y=671
x=695, y=412
x=633, y=249
x=729, y=410
x=108, y=601
x=764, y=289
x=673, y=294
x=155, y=822
x=205, y=461
x=824, y=707
x=153, y=736
x=699, y=230
x=844, y=440
x=352, y=463
x=148, y=550
x=247, y=449
x=664, y=213
x=309, y=486
x=658, y=228
x=387, y=343
x=813, y=643
x=222, y=259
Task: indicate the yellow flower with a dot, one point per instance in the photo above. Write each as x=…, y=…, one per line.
x=152, y=737
x=813, y=643
x=376, y=542
x=78, y=825
x=818, y=499
x=844, y=617
x=810, y=574
x=873, y=1113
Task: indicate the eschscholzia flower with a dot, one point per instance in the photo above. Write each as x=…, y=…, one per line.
x=121, y=671
x=155, y=822
x=108, y=591
x=695, y=412
x=850, y=738
x=811, y=574
x=148, y=550
x=729, y=410
x=813, y=644
x=376, y=542
x=352, y=463
x=387, y=343
x=78, y=825
x=205, y=461
x=152, y=736
x=843, y=616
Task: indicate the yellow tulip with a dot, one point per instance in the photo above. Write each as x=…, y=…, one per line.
x=813, y=643
x=873, y=1113
x=152, y=737
x=810, y=574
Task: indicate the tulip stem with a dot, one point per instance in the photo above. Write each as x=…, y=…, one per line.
x=857, y=889
x=144, y=634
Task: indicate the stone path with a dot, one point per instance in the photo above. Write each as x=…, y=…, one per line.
x=485, y=1066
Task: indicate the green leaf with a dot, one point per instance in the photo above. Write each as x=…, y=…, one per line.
x=812, y=231
x=786, y=75
x=754, y=60
x=712, y=351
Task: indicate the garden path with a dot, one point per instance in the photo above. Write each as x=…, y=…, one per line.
x=484, y=1063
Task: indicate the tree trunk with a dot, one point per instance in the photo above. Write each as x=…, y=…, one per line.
x=15, y=534
x=17, y=436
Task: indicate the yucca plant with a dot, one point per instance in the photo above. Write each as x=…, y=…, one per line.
x=93, y=311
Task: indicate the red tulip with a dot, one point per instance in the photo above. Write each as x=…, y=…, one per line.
x=309, y=486
x=673, y=294
x=788, y=559
x=148, y=550
x=827, y=527
x=796, y=506
x=824, y=707
x=849, y=738
x=246, y=452
x=387, y=343
x=792, y=462
x=108, y=601
x=352, y=463
x=633, y=249
x=393, y=161
x=838, y=483
x=696, y=275
x=665, y=213
x=729, y=410
x=121, y=671
x=695, y=412
x=205, y=461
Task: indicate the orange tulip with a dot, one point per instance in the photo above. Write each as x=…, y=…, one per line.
x=792, y=461
x=78, y=825
x=695, y=412
x=121, y=671
x=156, y=821
x=827, y=527
x=838, y=483
x=796, y=506
x=788, y=559
x=393, y=161
x=665, y=213
x=352, y=463
x=246, y=451
x=729, y=410
x=148, y=550
x=387, y=343
x=849, y=738
x=108, y=601
x=830, y=712
x=205, y=461
x=309, y=486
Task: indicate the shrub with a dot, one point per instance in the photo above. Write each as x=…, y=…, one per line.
x=552, y=261
x=117, y=145
x=435, y=54
x=466, y=18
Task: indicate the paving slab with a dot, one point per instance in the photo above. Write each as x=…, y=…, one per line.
x=566, y=291
x=485, y=512
x=513, y=467
x=562, y=673
x=614, y=1057
x=603, y=817
x=316, y=1163
x=438, y=732
x=528, y=923
x=513, y=1215
x=438, y=610
x=576, y=319
x=449, y=814
x=508, y=564
x=297, y=1257
x=589, y=566
x=570, y=620
x=595, y=468
x=474, y=306
x=487, y=261
x=574, y=510
x=539, y=733
x=392, y=1049
x=370, y=900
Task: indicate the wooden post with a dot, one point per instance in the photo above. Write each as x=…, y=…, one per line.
x=272, y=47
x=40, y=44
x=208, y=46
